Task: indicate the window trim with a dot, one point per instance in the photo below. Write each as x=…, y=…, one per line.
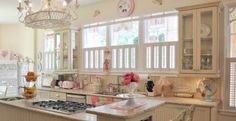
x=226, y=109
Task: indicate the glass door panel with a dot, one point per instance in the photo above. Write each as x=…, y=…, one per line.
x=65, y=52
x=206, y=40
x=74, y=46
x=57, y=51
x=188, y=41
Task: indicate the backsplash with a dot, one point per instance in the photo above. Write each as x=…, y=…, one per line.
x=178, y=82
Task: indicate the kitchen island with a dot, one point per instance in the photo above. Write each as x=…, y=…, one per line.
x=143, y=111
x=22, y=110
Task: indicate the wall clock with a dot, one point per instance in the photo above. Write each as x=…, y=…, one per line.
x=125, y=7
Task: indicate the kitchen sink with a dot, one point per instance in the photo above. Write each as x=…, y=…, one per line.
x=12, y=98
x=126, y=95
x=108, y=93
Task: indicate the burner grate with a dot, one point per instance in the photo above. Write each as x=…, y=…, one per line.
x=65, y=107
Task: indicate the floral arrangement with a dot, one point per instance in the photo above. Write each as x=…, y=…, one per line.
x=130, y=77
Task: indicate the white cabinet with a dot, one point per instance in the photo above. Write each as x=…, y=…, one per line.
x=51, y=95
x=199, y=38
x=43, y=94
x=58, y=96
x=170, y=111
x=61, y=51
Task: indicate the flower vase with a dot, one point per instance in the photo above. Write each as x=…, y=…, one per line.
x=131, y=89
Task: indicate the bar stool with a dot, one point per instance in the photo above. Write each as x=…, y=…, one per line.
x=185, y=115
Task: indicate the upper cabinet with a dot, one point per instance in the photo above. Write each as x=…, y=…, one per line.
x=61, y=51
x=199, y=38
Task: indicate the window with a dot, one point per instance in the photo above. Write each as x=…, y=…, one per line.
x=230, y=69
x=161, y=29
x=161, y=40
x=124, y=38
x=154, y=38
x=49, y=51
x=125, y=33
x=94, y=43
x=95, y=37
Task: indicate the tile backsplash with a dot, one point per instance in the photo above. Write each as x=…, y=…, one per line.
x=189, y=83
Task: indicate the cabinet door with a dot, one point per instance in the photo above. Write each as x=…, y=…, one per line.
x=207, y=39
x=65, y=50
x=43, y=94
x=168, y=112
x=187, y=27
x=58, y=45
x=58, y=96
x=74, y=49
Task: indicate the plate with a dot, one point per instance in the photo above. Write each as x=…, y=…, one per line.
x=205, y=30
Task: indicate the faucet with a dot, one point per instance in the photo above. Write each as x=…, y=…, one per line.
x=119, y=84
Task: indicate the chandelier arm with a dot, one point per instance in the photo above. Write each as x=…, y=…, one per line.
x=20, y=18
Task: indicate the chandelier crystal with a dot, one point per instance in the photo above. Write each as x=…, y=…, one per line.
x=52, y=14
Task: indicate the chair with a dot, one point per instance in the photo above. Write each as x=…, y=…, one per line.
x=185, y=115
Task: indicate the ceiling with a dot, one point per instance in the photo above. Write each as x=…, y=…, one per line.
x=9, y=13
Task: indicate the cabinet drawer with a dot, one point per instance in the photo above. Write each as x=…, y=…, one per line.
x=58, y=96
x=98, y=100
x=43, y=94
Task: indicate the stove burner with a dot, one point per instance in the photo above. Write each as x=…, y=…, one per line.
x=65, y=107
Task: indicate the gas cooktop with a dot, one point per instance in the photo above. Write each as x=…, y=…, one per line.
x=65, y=107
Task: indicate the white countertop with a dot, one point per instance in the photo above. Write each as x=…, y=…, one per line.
x=78, y=91
x=172, y=100
x=150, y=104
x=187, y=101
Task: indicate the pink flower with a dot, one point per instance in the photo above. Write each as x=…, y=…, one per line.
x=130, y=77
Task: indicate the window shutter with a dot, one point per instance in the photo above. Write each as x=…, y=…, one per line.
x=232, y=83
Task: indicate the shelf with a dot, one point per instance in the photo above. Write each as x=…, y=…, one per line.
x=206, y=54
x=206, y=38
x=188, y=54
x=188, y=39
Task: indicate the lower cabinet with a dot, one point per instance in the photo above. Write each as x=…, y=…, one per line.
x=9, y=113
x=168, y=112
x=51, y=95
x=43, y=94
x=100, y=100
x=58, y=96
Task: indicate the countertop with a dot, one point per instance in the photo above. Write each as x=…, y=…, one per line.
x=187, y=101
x=78, y=91
x=25, y=104
x=150, y=104
x=171, y=100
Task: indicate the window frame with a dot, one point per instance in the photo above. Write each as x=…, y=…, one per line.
x=226, y=109
x=139, y=47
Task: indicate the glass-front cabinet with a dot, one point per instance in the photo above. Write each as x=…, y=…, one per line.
x=188, y=39
x=199, y=38
x=64, y=48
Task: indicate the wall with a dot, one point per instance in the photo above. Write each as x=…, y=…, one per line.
x=142, y=7
x=17, y=38
x=109, y=12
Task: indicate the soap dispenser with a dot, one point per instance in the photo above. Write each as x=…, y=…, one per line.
x=149, y=87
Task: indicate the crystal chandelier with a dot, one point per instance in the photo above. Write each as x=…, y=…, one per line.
x=52, y=14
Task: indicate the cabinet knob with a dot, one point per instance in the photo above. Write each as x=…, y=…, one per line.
x=57, y=95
